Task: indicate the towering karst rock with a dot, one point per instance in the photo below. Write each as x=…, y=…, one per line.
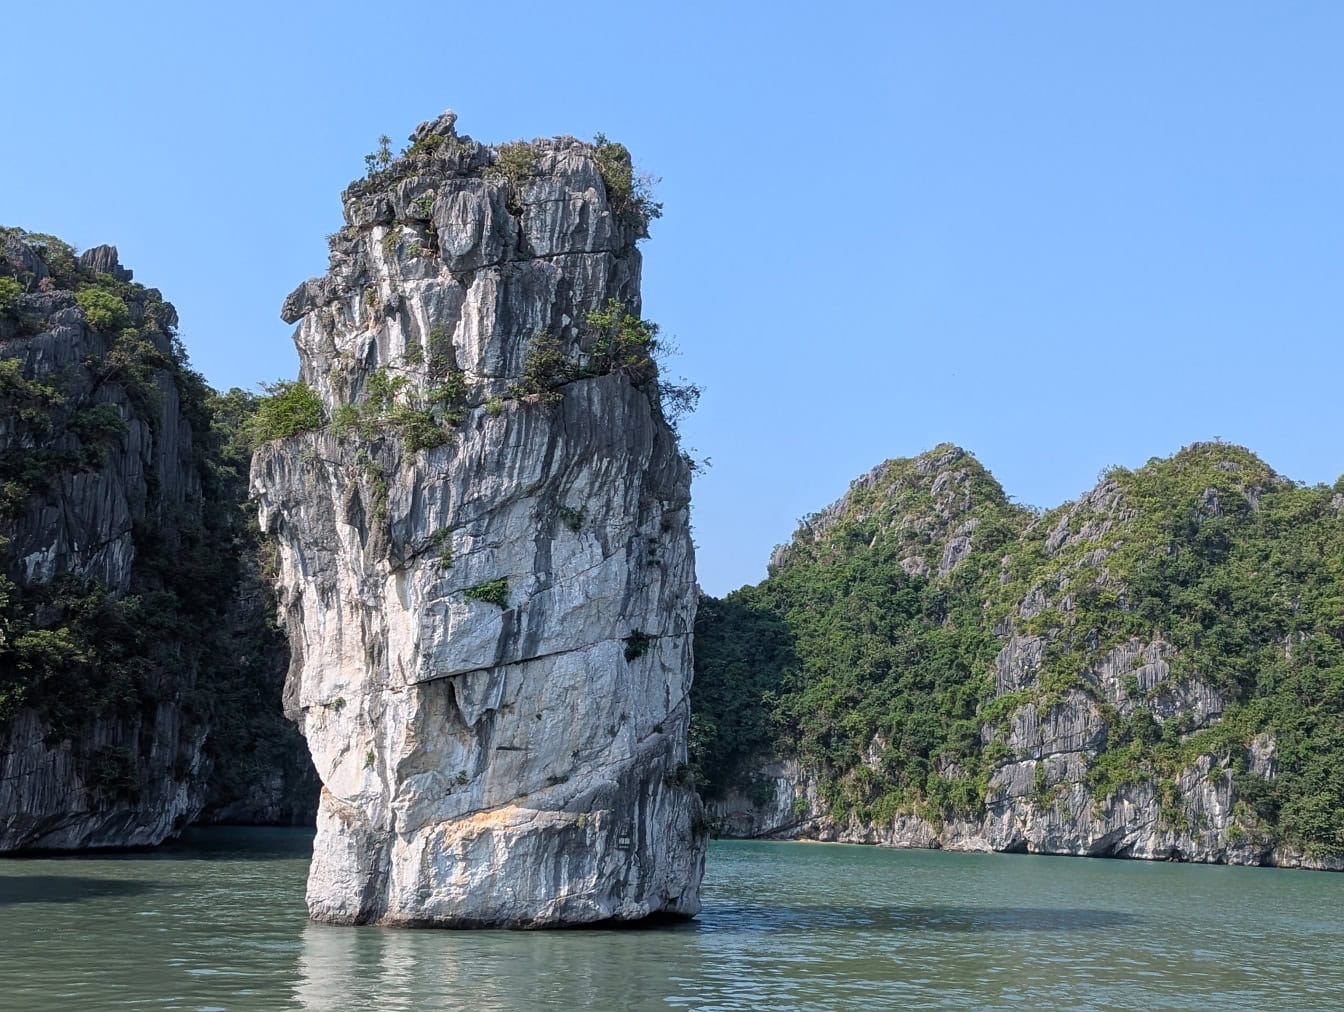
x=485, y=564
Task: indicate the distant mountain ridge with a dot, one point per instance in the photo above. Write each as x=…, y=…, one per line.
x=1155, y=669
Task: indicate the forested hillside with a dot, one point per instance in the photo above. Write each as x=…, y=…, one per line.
x=1156, y=668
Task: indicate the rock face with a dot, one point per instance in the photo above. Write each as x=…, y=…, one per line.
x=97, y=447
x=485, y=565
x=140, y=671
x=261, y=773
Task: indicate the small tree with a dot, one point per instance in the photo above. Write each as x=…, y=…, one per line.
x=10, y=290
x=629, y=193
x=377, y=161
x=514, y=161
x=545, y=367
x=624, y=341
x=103, y=311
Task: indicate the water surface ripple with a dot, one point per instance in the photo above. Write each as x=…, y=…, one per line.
x=218, y=923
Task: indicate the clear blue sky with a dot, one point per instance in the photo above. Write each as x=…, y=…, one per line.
x=1060, y=235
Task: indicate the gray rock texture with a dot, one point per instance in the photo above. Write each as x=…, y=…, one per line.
x=140, y=670
x=491, y=638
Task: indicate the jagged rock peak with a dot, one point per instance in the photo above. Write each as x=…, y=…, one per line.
x=443, y=125
x=450, y=203
x=103, y=260
x=932, y=500
x=486, y=570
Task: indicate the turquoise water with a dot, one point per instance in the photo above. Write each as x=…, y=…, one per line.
x=219, y=923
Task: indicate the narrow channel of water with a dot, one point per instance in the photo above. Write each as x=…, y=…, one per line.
x=218, y=922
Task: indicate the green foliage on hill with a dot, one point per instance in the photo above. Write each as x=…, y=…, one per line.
x=70, y=647
x=1243, y=573
x=44, y=420
x=743, y=650
x=63, y=424
x=103, y=310
x=876, y=669
x=876, y=652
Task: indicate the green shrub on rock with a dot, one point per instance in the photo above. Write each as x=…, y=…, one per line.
x=545, y=368
x=10, y=293
x=573, y=517
x=494, y=592
x=629, y=193
x=624, y=341
x=637, y=644
x=417, y=428
x=514, y=161
x=289, y=408
x=103, y=311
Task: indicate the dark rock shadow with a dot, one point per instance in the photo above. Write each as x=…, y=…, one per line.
x=949, y=919
x=238, y=843
x=15, y=889
x=197, y=843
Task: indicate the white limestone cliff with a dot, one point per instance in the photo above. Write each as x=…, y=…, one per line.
x=491, y=637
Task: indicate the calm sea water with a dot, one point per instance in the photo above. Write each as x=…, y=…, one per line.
x=218, y=922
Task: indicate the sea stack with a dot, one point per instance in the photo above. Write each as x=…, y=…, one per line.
x=484, y=560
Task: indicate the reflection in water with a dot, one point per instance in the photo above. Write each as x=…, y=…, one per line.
x=330, y=971
x=403, y=969
x=784, y=926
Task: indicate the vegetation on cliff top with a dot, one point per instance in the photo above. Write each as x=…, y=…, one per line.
x=630, y=192
x=422, y=397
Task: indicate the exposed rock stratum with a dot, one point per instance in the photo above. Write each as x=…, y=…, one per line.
x=491, y=637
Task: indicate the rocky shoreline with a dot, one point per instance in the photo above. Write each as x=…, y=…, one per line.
x=1128, y=825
